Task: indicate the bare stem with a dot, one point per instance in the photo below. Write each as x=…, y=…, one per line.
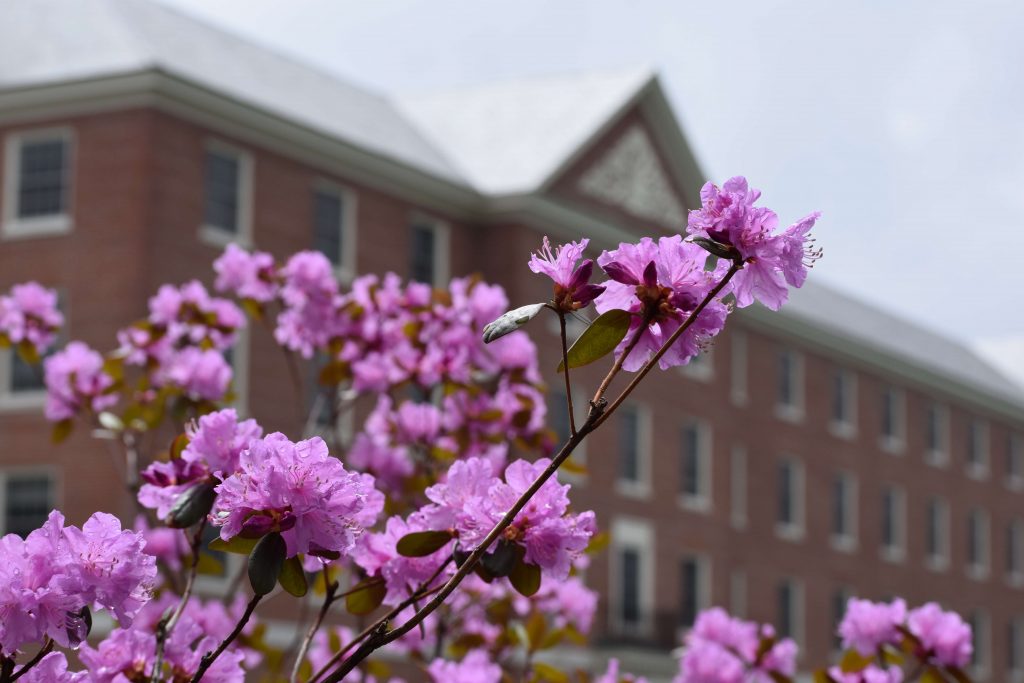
x=330, y=588
x=43, y=651
x=210, y=657
x=565, y=368
x=165, y=626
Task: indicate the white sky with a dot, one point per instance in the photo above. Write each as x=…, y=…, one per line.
x=902, y=121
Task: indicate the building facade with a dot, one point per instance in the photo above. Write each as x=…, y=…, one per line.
x=826, y=451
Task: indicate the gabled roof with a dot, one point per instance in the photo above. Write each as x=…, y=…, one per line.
x=511, y=137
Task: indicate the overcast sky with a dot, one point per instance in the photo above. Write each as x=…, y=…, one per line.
x=903, y=122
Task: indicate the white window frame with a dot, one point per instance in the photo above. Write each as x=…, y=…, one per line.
x=349, y=227
x=738, y=593
x=845, y=428
x=243, y=235
x=51, y=472
x=939, y=562
x=641, y=487
x=738, y=368
x=792, y=412
x=738, y=490
x=896, y=443
x=14, y=227
x=896, y=552
x=795, y=530
x=700, y=368
x=704, y=579
x=1015, y=447
x=797, y=608
x=701, y=501
x=980, y=571
x=633, y=534
x=847, y=542
x=1015, y=576
x=442, y=245
x=979, y=428
x=939, y=457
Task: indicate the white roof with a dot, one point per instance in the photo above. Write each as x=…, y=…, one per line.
x=510, y=137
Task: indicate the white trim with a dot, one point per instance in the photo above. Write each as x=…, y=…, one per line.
x=979, y=440
x=738, y=368
x=441, y=257
x=795, y=529
x=15, y=227
x=641, y=486
x=51, y=472
x=702, y=500
x=896, y=552
x=240, y=368
x=349, y=228
x=938, y=562
x=16, y=401
x=940, y=456
x=895, y=443
x=243, y=234
x=738, y=489
x=793, y=411
x=700, y=368
x=632, y=534
x=847, y=541
x=846, y=426
x=980, y=570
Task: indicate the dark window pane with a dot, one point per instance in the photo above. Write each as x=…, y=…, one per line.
x=630, y=586
x=42, y=184
x=839, y=409
x=29, y=500
x=784, y=597
x=888, y=518
x=933, y=429
x=1012, y=551
x=629, y=433
x=838, y=611
x=221, y=191
x=785, y=493
x=932, y=531
x=973, y=540
x=558, y=416
x=689, y=575
x=786, y=378
x=888, y=413
x=25, y=377
x=839, y=504
x=327, y=225
x=318, y=401
x=422, y=256
x=691, y=474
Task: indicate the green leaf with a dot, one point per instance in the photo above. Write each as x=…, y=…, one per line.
x=192, y=505
x=536, y=628
x=209, y=565
x=62, y=430
x=931, y=675
x=821, y=676
x=422, y=543
x=177, y=446
x=28, y=352
x=501, y=561
x=525, y=578
x=853, y=662
x=266, y=562
x=511, y=321
x=110, y=421
x=598, y=340
x=293, y=577
x=237, y=545
x=549, y=674
x=717, y=248
x=366, y=597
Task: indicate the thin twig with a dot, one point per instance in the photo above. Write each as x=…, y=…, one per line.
x=45, y=650
x=565, y=368
x=330, y=588
x=165, y=626
x=210, y=657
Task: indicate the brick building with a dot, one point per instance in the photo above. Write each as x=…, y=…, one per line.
x=825, y=451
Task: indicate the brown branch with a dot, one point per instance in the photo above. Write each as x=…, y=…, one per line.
x=166, y=625
x=330, y=588
x=43, y=651
x=565, y=368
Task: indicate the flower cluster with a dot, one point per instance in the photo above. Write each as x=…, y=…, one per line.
x=76, y=381
x=29, y=317
x=475, y=667
x=50, y=580
x=723, y=649
x=300, y=491
x=572, y=288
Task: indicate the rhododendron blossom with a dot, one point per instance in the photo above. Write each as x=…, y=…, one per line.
x=573, y=290
x=869, y=625
x=29, y=315
x=475, y=667
x=723, y=649
x=247, y=276
x=75, y=380
x=945, y=636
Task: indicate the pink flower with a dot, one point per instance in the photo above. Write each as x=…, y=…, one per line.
x=612, y=675
x=299, y=490
x=246, y=275
x=167, y=545
x=75, y=379
x=870, y=674
x=944, y=635
x=867, y=625
x=202, y=375
x=661, y=284
x=29, y=314
x=53, y=668
x=572, y=288
x=771, y=260
x=377, y=554
x=475, y=667
x=723, y=649
x=191, y=315
x=310, y=298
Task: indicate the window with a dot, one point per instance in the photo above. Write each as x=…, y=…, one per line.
x=893, y=420
x=894, y=524
x=977, y=544
x=632, y=577
x=738, y=367
x=334, y=227
x=702, y=366
x=790, y=492
x=981, y=658
x=840, y=598
x=1015, y=552
x=227, y=193
x=977, y=449
x=428, y=252
x=1014, y=461
x=27, y=499
x=694, y=593
x=695, y=465
x=558, y=419
x=324, y=415
x=790, y=390
x=844, y=511
x=789, y=605
x=238, y=358
x=738, y=593
x=738, y=487
x=937, y=534
x=843, y=421
x=1014, y=645
x=21, y=384
x=936, y=435
x=37, y=185
x=634, y=458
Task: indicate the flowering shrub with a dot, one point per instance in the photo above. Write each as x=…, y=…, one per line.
x=441, y=523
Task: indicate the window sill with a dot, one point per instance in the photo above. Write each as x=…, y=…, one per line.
x=787, y=413
x=938, y=459
x=695, y=503
x=844, y=544
x=789, y=532
x=739, y=399
x=1015, y=580
x=1015, y=484
x=936, y=564
x=22, y=401
x=698, y=372
x=218, y=237
x=977, y=472
x=843, y=430
x=41, y=226
x=977, y=573
x=633, y=489
x=892, y=444
x=893, y=555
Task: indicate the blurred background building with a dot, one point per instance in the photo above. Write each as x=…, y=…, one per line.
x=826, y=451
